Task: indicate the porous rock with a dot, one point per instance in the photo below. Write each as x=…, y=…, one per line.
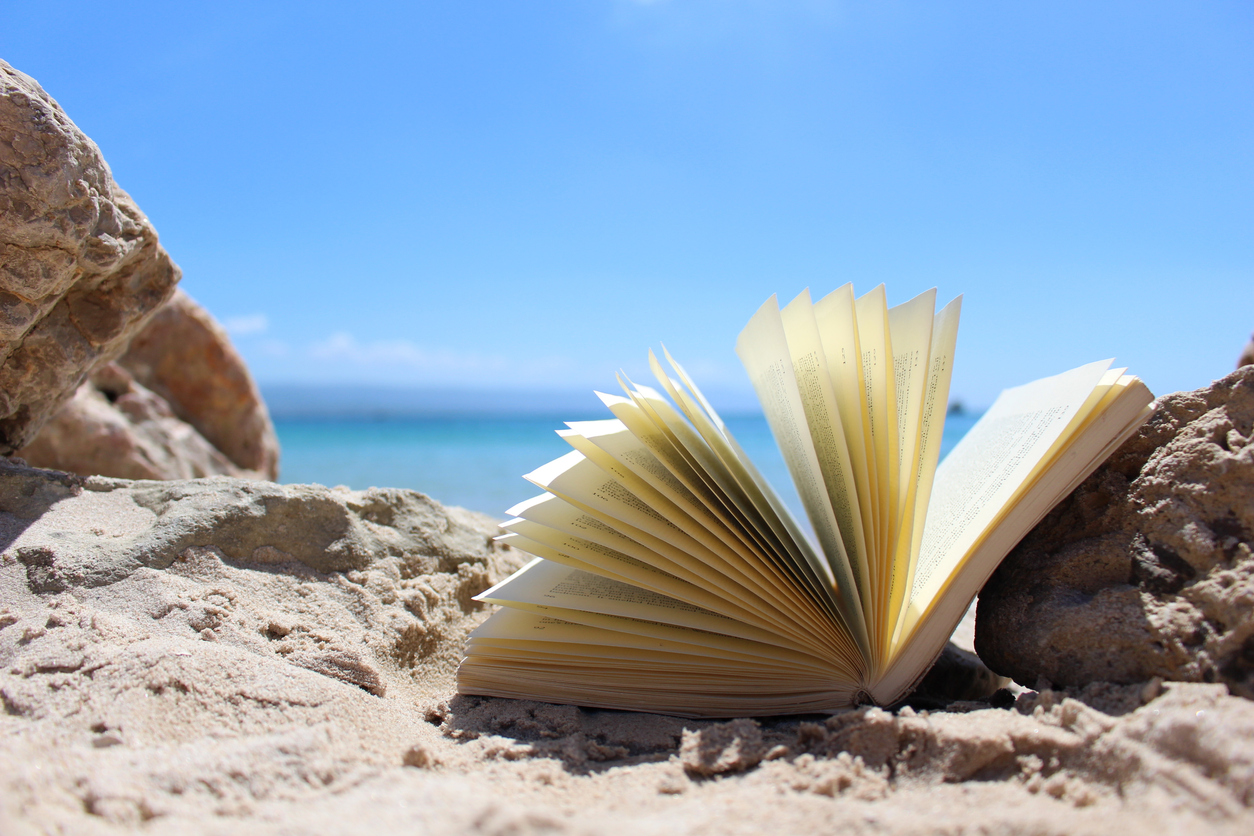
x=186, y=357
x=1146, y=569
x=80, y=266
x=114, y=426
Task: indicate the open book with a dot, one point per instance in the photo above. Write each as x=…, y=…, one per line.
x=671, y=578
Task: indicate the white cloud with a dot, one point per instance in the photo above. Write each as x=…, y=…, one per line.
x=241, y=326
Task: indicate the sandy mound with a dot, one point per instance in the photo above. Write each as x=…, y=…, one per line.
x=218, y=655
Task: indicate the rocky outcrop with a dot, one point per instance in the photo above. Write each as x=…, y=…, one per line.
x=80, y=266
x=113, y=426
x=1147, y=569
x=179, y=404
x=186, y=357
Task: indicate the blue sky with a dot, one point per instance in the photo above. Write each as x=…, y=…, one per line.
x=508, y=194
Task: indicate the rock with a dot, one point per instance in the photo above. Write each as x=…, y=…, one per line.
x=106, y=529
x=115, y=427
x=186, y=357
x=722, y=748
x=1146, y=569
x=80, y=266
x=1247, y=354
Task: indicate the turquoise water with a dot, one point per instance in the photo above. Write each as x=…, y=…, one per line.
x=475, y=462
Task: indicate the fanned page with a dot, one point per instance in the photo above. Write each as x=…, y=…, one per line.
x=765, y=351
x=1032, y=448
x=669, y=576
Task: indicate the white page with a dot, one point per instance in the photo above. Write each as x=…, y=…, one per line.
x=981, y=474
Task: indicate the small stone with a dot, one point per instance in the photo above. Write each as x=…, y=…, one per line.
x=417, y=756
x=722, y=748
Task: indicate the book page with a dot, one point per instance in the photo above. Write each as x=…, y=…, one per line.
x=879, y=394
x=637, y=467
x=991, y=463
x=763, y=349
x=643, y=421
x=547, y=584
x=1087, y=442
x=720, y=479
x=766, y=503
x=547, y=633
x=633, y=664
x=910, y=338
x=547, y=532
x=933, y=408
x=882, y=453
x=837, y=322
x=613, y=439
x=827, y=434
x=663, y=583
x=580, y=483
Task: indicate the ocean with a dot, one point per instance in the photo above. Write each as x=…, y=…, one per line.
x=476, y=461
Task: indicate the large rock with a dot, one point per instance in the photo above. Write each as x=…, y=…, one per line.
x=186, y=357
x=80, y=266
x=179, y=404
x=1146, y=569
x=114, y=426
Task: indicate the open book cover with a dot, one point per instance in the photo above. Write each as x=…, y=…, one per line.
x=669, y=577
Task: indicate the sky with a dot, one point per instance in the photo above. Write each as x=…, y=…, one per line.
x=503, y=194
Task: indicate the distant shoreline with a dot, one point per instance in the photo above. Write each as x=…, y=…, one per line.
x=306, y=402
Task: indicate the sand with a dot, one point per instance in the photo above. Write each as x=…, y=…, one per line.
x=154, y=684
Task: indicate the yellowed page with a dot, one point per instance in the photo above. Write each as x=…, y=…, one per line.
x=611, y=669
x=635, y=664
x=1090, y=441
x=578, y=480
x=696, y=521
x=880, y=393
x=559, y=626
x=910, y=338
x=708, y=466
x=837, y=321
x=546, y=633
x=910, y=329
x=574, y=592
x=638, y=468
x=581, y=483
x=763, y=349
x=827, y=435
x=674, y=459
x=612, y=438
x=743, y=481
x=736, y=597
x=765, y=502
x=934, y=403
x=991, y=463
